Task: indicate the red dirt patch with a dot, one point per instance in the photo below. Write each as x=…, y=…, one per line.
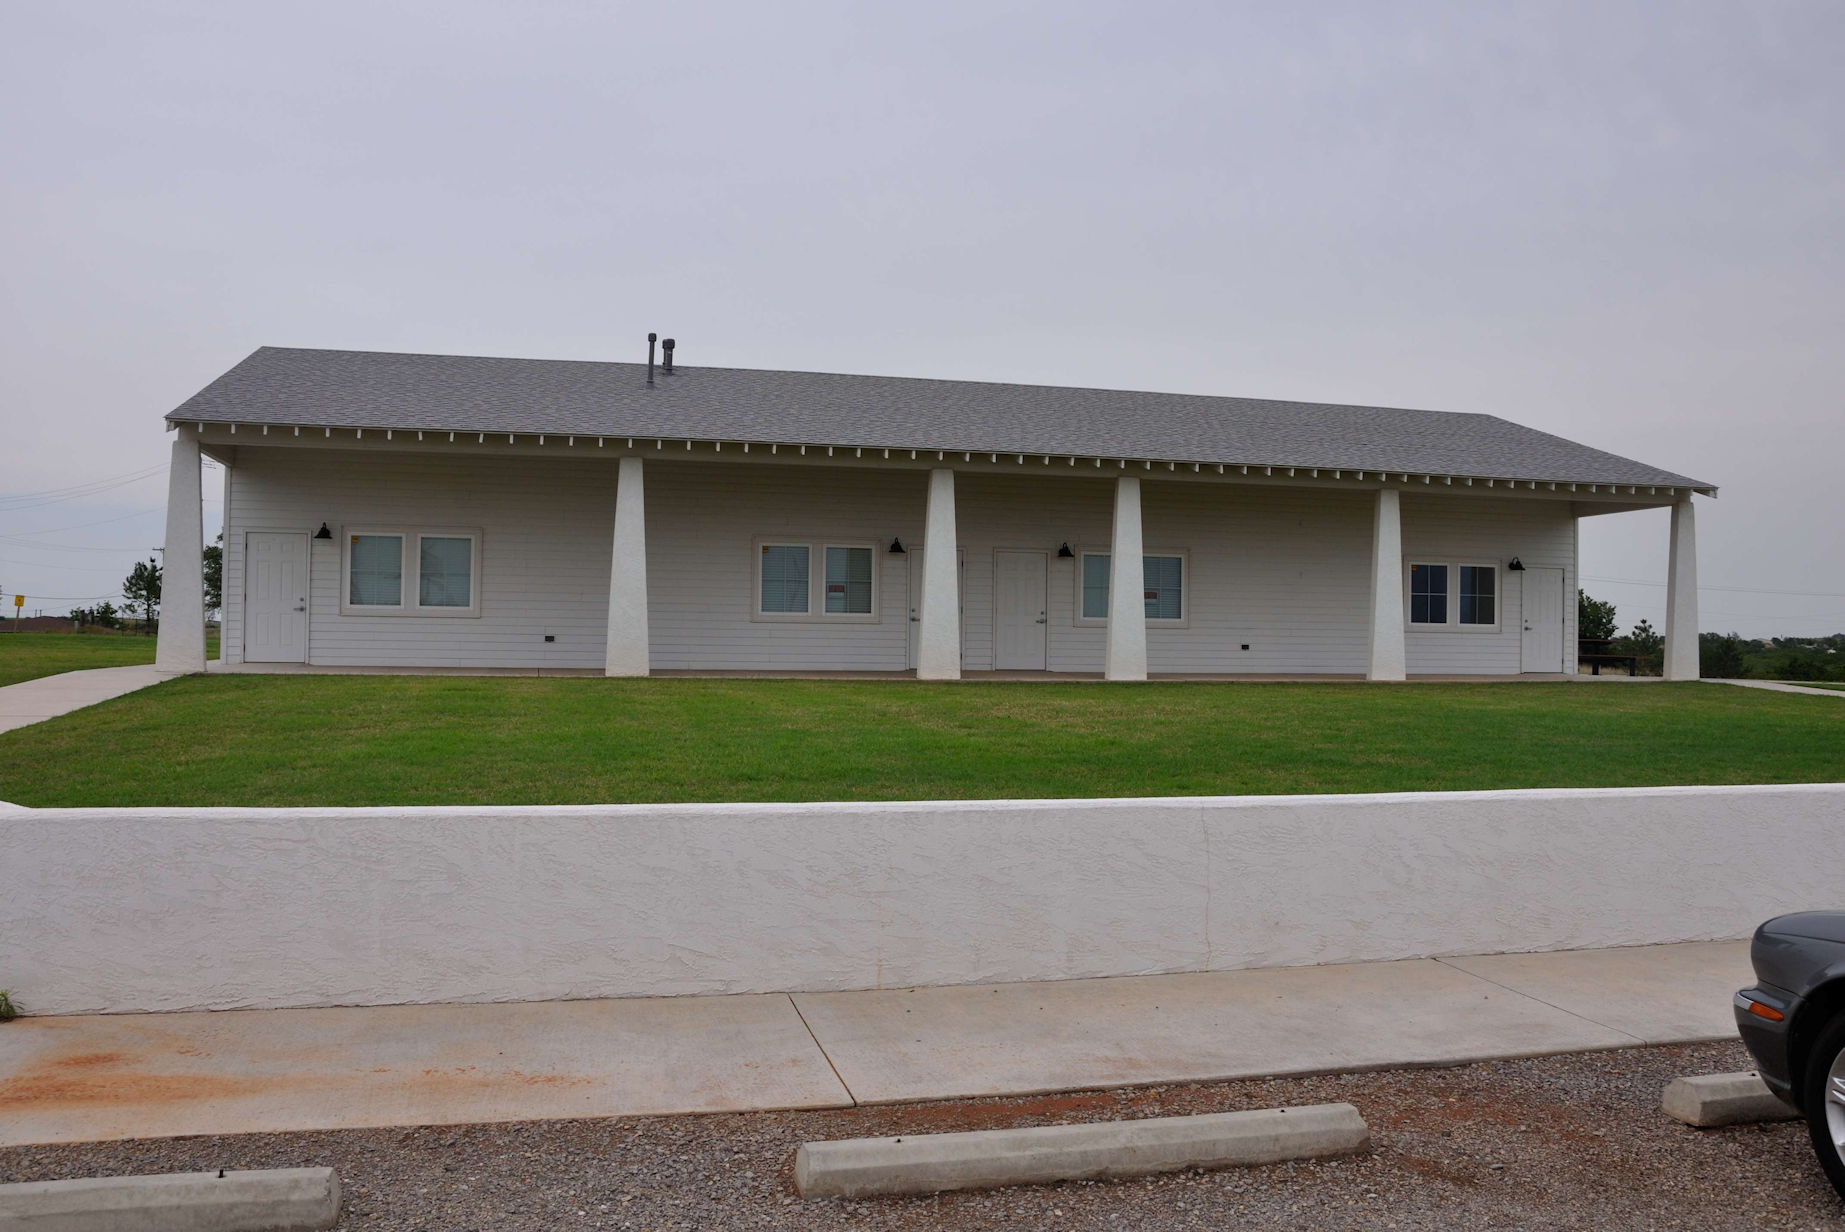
x=85, y=1060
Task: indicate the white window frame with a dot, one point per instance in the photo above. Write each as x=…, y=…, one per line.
x=816, y=612
x=411, y=604
x=1153, y=622
x=1453, y=623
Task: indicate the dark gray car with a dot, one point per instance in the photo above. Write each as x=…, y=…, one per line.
x=1793, y=1021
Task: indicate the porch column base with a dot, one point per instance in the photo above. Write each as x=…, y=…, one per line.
x=938, y=636
x=181, y=644
x=1126, y=657
x=1389, y=660
x=1682, y=595
x=628, y=646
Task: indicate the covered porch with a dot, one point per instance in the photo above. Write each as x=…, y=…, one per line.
x=697, y=558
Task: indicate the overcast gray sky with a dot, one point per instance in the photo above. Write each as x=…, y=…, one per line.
x=1620, y=222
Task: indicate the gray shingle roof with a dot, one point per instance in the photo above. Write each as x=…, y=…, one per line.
x=367, y=389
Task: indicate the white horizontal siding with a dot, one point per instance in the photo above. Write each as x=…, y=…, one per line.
x=547, y=527
x=703, y=520
x=1482, y=530
x=1283, y=571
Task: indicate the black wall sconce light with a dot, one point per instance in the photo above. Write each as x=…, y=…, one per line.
x=1064, y=552
x=896, y=546
x=1516, y=565
x=323, y=532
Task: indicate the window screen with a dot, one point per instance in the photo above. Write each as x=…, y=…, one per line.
x=1428, y=594
x=784, y=577
x=1479, y=600
x=1164, y=584
x=376, y=566
x=1095, y=586
x=848, y=580
x=445, y=571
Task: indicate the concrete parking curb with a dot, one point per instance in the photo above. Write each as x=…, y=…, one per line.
x=273, y=1200
x=984, y=1159
x=1709, y=1100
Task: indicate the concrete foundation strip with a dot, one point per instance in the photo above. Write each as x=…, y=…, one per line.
x=1709, y=1100
x=930, y=1163
x=273, y=1200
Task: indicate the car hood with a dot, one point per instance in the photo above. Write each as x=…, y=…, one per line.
x=1816, y=925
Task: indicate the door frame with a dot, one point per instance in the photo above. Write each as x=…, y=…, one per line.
x=1044, y=560
x=307, y=588
x=1525, y=590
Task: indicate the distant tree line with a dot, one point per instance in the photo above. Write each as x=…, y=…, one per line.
x=141, y=595
x=1722, y=655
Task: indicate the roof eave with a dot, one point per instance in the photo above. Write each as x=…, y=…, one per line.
x=918, y=452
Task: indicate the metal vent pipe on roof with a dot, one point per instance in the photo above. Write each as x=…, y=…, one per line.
x=666, y=347
x=651, y=339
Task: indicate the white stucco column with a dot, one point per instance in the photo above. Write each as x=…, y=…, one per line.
x=1126, y=656
x=628, y=650
x=181, y=647
x=1682, y=594
x=938, y=637
x=1388, y=658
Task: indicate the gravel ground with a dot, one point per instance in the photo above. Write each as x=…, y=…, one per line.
x=1559, y=1142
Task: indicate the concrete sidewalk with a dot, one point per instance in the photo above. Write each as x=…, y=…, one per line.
x=34, y=701
x=1779, y=686
x=103, y=1077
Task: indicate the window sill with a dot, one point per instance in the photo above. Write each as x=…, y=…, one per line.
x=813, y=618
x=1182, y=623
x=398, y=613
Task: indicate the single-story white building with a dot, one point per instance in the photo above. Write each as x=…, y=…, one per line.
x=427, y=510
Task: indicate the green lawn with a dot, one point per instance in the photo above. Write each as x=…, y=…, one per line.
x=27, y=656
x=298, y=740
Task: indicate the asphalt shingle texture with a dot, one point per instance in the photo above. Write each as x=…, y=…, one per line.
x=282, y=386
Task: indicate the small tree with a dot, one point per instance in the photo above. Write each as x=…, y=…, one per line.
x=142, y=589
x=214, y=576
x=1594, y=619
x=1648, y=645
x=1720, y=655
x=104, y=614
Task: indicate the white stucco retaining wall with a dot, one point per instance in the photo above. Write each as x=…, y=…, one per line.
x=167, y=909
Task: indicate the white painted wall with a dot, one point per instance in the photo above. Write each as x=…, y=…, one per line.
x=1285, y=571
x=161, y=909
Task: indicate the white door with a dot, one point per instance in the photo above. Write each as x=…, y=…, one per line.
x=1542, y=647
x=275, y=595
x=916, y=583
x=1018, y=610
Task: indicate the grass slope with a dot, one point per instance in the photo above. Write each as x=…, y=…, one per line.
x=303, y=740
x=27, y=656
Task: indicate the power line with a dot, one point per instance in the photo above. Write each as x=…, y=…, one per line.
x=1737, y=590
x=71, y=598
x=120, y=517
x=33, y=500
x=14, y=541
x=124, y=476
x=24, y=564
